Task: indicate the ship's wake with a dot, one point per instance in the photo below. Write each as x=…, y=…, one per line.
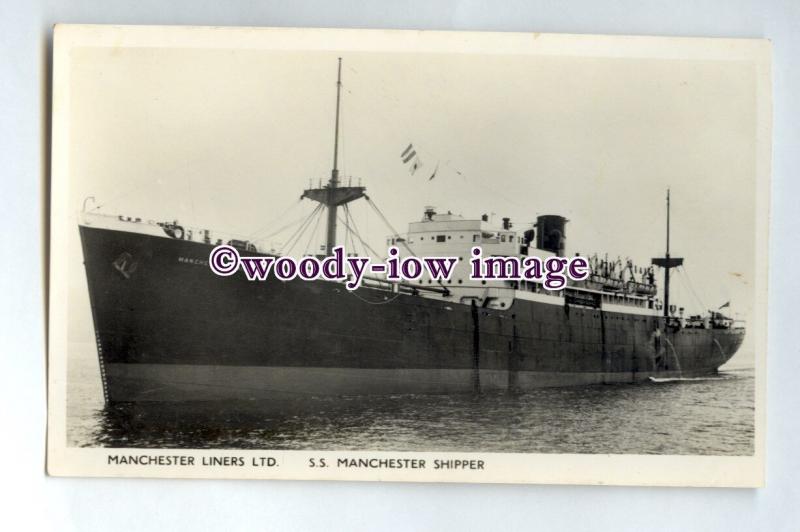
x=661, y=380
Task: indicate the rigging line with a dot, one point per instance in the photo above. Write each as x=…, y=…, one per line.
x=123, y=194
x=466, y=178
x=686, y=282
x=313, y=231
x=683, y=286
x=355, y=232
x=342, y=151
x=255, y=233
x=689, y=290
x=358, y=234
x=343, y=221
x=299, y=236
x=691, y=287
x=348, y=235
x=306, y=225
x=287, y=226
x=389, y=225
x=346, y=230
x=395, y=296
x=348, y=241
x=355, y=235
x=366, y=249
x=382, y=217
x=299, y=232
x=353, y=223
x=353, y=241
x=366, y=218
x=350, y=229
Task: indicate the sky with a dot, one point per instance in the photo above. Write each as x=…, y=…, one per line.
x=227, y=139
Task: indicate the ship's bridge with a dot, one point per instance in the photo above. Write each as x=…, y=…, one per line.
x=452, y=235
x=439, y=234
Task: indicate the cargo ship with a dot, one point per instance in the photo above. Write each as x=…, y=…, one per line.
x=168, y=329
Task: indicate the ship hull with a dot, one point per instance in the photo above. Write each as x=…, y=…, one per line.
x=179, y=383
x=168, y=329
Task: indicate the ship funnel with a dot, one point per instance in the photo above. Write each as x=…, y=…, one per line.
x=430, y=212
x=506, y=223
x=551, y=233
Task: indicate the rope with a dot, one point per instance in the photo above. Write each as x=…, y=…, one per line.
x=687, y=282
x=389, y=225
x=347, y=235
x=301, y=230
x=266, y=226
x=375, y=302
x=313, y=231
x=355, y=231
x=348, y=232
x=287, y=226
x=124, y=193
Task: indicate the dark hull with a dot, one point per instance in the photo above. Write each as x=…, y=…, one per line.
x=167, y=328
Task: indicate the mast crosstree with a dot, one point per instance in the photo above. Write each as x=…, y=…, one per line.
x=332, y=195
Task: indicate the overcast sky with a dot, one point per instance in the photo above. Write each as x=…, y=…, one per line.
x=228, y=139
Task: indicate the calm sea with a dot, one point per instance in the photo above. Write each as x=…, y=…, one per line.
x=710, y=416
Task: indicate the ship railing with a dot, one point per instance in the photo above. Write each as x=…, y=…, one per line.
x=179, y=231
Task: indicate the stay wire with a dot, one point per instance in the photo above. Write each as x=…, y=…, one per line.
x=685, y=275
x=313, y=231
x=300, y=230
x=269, y=224
x=356, y=233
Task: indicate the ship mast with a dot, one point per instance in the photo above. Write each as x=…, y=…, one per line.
x=332, y=195
x=667, y=263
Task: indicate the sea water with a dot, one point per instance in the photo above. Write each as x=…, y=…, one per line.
x=702, y=416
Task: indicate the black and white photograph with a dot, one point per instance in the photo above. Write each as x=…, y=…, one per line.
x=417, y=256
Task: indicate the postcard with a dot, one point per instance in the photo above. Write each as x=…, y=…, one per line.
x=283, y=253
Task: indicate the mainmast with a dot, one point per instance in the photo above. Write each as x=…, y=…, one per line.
x=667, y=263
x=332, y=195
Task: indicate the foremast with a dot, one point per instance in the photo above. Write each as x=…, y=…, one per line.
x=332, y=195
